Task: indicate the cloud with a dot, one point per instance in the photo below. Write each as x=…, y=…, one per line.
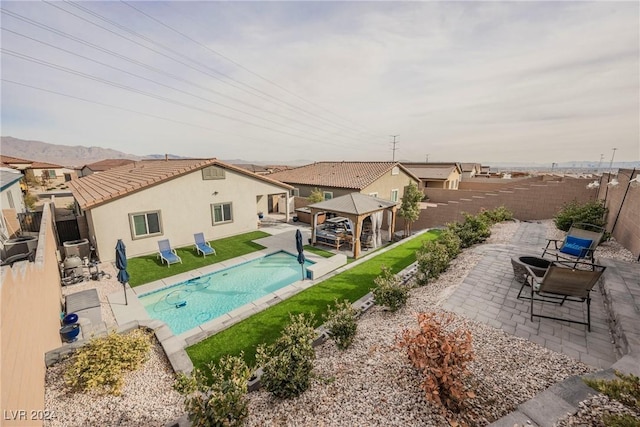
x=332, y=80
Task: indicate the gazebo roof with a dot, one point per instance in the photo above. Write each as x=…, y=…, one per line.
x=354, y=204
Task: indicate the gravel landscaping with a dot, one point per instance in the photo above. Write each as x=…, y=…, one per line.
x=371, y=383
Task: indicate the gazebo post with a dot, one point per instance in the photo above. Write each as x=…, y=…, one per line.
x=356, y=237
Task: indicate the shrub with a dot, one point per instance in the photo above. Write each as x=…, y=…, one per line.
x=473, y=230
x=101, y=363
x=341, y=323
x=316, y=196
x=593, y=212
x=220, y=401
x=288, y=362
x=626, y=390
x=441, y=355
x=433, y=258
x=389, y=291
x=451, y=241
x=496, y=215
x=30, y=200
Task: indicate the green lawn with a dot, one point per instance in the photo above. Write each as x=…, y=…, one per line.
x=148, y=268
x=265, y=327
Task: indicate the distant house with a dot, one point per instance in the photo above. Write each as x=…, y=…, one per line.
x=150, y=200
x=260, y=170
x=385, y=180
x=469, y=170
x=11, y=201
x=46, y=174
x=102, y=166
x=436, y=175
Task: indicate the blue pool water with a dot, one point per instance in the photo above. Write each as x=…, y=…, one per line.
x=188, y=304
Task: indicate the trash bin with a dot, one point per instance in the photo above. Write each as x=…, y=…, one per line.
x=70, y=319
x=70, y=332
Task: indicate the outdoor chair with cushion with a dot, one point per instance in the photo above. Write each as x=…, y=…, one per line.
x=580, y=243
x=167, y=254
x=202, y=246
x=563, y=281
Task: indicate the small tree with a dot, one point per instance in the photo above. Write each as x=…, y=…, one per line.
x=287, y=363
x=221, y=401
x=410, y=207
x=316, y=196
x=341, y=323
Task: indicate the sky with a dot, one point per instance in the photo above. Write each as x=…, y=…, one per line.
x=520, y=82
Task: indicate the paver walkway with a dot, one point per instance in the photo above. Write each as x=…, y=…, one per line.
x=488, y=294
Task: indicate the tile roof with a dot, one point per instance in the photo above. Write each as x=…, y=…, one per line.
x=354, y=204
x=16, y=160
x=106, y=164
x=45, y=165
x=97, y=189
x=353, y=175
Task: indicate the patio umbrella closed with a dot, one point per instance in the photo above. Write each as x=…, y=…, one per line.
x=121, y=265
x=300, y=248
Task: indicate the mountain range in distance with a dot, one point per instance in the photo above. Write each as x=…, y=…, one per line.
x=77, y=156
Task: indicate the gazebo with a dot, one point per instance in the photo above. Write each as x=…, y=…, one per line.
x=356, y=207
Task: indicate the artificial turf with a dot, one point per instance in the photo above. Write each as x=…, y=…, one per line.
x=149, y=268
x=266, y=326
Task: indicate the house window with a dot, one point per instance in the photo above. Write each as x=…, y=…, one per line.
x=395, y=170
x=222, y=212
x=10, y=197
x=394, y=195
x=327, y=195
x=295, y=192
x=145, y=224
x=51, y=173
x=212, y=172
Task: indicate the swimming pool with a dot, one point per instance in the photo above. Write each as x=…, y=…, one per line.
x=185, y=305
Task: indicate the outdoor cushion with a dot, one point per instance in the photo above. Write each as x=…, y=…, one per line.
x=576, y=246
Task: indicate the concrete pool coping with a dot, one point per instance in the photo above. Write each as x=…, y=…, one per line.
x=133, y=312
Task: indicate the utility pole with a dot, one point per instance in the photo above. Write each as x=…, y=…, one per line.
x=611, y=162
x=600, y=163
x=394, y=142
x=426, y=158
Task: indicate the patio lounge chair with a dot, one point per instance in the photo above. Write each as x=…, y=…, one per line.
x=580, y=243
x=564, y=281
x=167, y=254
x=202, y=246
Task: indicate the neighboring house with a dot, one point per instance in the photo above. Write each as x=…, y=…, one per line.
x=436, y=175
x=469, y=170
x=35, y=171
x=385, y=180
x=152, y=200
x=11, y=201
x=50, y=175
x=257, y=169
x=102, y=166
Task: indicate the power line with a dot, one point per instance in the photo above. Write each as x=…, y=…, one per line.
x=254, y=91
x=237, y=64
x=394, y=142
x=141, y=64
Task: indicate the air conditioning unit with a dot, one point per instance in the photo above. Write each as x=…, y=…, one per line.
x=80, y=248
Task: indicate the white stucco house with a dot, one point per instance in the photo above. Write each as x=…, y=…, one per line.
x=150, y=200
x=11, y=201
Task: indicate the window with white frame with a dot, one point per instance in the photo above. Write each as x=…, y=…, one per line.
x=10, y=198
x=222, y=212
x=395, y=170
x=145, y=224
x=295, y=192
x=394, y=195
x=327, y=195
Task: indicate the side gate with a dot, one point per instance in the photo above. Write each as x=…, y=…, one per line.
x=68, y=230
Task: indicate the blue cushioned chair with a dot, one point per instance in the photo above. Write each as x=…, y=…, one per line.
x=580, y=243
x=202, y=246
x=166, y=253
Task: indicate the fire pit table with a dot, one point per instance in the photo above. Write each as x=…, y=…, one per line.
x=538, y=265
